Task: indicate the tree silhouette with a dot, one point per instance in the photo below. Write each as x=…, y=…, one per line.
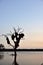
x=15, y=36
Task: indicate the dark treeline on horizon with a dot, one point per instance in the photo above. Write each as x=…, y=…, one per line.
x=12, y=50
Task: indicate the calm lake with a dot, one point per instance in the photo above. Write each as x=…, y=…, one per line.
x=22, y=58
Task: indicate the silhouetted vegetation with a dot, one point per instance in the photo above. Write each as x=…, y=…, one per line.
x=25, y=50
x=16, y=37
x=2, y=46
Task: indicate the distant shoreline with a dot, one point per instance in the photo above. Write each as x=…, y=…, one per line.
x=12, y=50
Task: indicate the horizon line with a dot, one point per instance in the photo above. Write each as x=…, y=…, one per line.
x=12, y=50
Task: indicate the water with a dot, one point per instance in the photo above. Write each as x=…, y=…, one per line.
x=22, y=58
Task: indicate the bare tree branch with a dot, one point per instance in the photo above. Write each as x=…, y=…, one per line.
x=14, y=29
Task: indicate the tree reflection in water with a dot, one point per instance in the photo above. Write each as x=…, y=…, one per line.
x=1, y=55
x=15, y=59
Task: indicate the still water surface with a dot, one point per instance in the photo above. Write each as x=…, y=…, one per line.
x=23, y=58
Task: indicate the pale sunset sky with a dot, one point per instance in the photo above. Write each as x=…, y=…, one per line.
x=27, y=14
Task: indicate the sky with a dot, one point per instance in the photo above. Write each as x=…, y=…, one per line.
x=27, y=14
